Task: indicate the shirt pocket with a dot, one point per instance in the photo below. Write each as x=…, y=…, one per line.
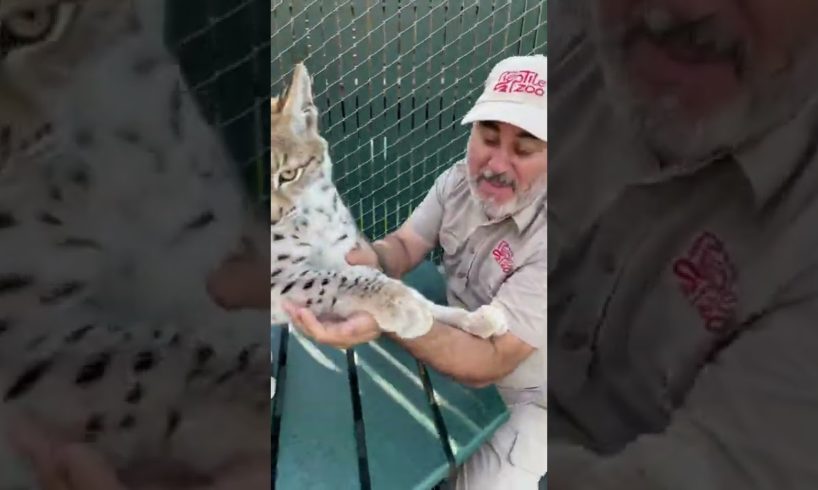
x=495, y=282
x=449, y=242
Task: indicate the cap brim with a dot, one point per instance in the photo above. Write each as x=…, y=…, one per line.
x=524, y=117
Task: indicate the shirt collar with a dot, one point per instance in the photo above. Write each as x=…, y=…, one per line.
x=524, y=217
x=769, y=161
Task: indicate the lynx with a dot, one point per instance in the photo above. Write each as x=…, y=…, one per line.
x=312, y=230
x=117, y=199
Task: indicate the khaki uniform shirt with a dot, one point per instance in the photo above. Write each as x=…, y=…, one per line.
x=500, y=262
x=682, y=312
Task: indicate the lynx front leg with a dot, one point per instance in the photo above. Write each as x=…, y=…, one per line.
x=484, y=322
x=396, y=307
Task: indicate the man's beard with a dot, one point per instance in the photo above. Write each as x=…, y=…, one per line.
x=761, y=105
x=520, y=201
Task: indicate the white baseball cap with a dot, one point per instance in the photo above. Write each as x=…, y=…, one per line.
x=516, y=93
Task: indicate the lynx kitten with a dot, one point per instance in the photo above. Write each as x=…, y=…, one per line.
x=116, y=201
x=311, y=232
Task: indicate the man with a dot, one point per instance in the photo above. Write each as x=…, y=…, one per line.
x=488, y=214
x=682, y=215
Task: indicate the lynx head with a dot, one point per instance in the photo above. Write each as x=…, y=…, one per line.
x=45, y=46
x=42, y=42
x=299, y=153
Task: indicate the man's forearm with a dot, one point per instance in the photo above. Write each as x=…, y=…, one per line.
x=392, y=256
x=457, y=354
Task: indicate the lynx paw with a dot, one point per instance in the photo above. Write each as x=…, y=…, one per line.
x=402, y=312
x=485, y=322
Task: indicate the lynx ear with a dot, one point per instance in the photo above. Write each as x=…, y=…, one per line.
x=150, y=14
x=299, y=102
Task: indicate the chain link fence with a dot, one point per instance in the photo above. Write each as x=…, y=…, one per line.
x=224, y=49
x=393, y=79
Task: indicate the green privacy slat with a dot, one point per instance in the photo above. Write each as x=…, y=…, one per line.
x=223, y=48
x=528, y=28
x=381, y=40
x=393, y=79
x=316, y=39
x=445, y=90
x=388, y=122
x=514, y=26
x=344, y=40
x=464, y=44
x=542, y=37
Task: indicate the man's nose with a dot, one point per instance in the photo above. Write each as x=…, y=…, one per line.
x=499, y=162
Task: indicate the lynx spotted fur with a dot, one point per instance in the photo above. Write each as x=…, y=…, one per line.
x=312, y=231
x=116, y=201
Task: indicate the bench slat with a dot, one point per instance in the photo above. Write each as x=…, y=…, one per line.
x=403, y=446
x=317, y=447
x=471, y=415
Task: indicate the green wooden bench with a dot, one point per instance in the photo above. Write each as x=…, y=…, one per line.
x=373, y=417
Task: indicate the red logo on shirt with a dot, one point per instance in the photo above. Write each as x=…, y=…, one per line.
x=707, y=278
x=522, y=81
x=504, y=256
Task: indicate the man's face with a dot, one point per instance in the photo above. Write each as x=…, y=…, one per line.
x=700, y=76
x=507, y=167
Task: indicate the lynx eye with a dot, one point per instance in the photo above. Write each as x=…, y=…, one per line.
x=289, y=175
x=31, y=26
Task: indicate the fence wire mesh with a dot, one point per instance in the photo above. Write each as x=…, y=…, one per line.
x=224, y=49
x=393, y=79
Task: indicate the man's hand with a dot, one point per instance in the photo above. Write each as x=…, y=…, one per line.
x=241, y=282
x=364, y=254
x=359, y=328
x=61, y=465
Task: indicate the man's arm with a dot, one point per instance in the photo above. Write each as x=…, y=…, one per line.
x=749, y=421
x=468, y=359
x=471, y=360
x=401, y=251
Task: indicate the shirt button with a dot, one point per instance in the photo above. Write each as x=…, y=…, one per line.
x=574, y=340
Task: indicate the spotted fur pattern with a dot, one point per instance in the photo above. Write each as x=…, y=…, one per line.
x=312, y=231
x=117, y=199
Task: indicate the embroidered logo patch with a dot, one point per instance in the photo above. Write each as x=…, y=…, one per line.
x=522, y=81
x=504, y=256
x=707, y=278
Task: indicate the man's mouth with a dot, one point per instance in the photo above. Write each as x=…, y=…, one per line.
x=700, y=59
x=501, y=180
x=699, y=40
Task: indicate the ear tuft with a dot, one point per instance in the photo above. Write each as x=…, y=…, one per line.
x=299, y=101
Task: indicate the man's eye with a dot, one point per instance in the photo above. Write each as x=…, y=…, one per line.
x=491, y=141
x=528, y=148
